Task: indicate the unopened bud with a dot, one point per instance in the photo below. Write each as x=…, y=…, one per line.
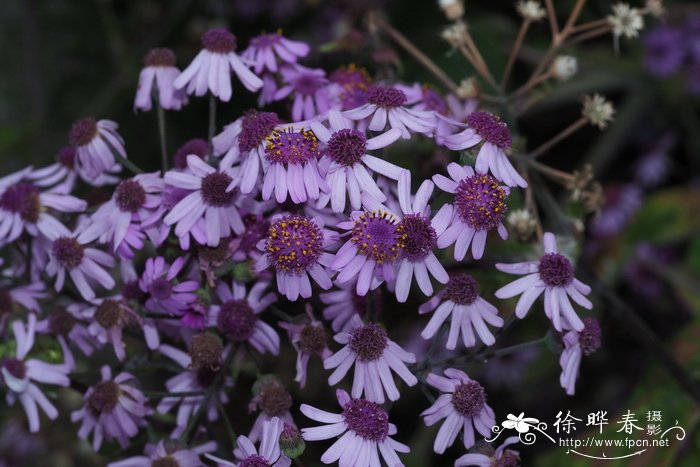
x=291, y=442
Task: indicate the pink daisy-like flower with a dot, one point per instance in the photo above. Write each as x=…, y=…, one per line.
x=197, y=146
x=273, y=400
x=62, y=174
x=576, y=345
x=66, y=323
x=191, y=379
x=134, y=207
x=479, y=206
x=18, y=375
x=27, y=296
x=424, y=97
x=553, y=274
x=463, y=406
x=292, y=155
x=108, y=317
x=269, y=454
x=168, y=453
x=211, y=68
x=209, y=200
x=69, y=255
x=237, y=315
x=349, y=84
x=460, y=301
x=488, y=129
x=375, y=356
x=295, y=248
x=364, y=433
x=245, y=140
x=308, y=339
x=345, y=156
x=341, y=305
x=310, y=91
x=386, y=103
x=159, y=70
x=165, y=295
x=95, y=143
x=23, y=208
x=113, y=409
x=420, y=235
x=501, y=457
x=266, y=50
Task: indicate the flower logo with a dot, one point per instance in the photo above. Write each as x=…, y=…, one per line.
x=520, y=423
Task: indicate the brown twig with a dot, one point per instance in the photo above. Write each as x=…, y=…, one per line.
x=515, y=50
x=562, y=135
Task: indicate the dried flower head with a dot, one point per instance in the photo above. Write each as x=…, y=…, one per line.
x=626, y=21
x=530, y=10
x=453, y=9
x=564, y=67
x=468, y=88
x=655, y=8
x=522, y=224
x=454, y=34
x=598, y=110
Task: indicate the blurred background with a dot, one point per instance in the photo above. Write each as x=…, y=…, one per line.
x=63, y=60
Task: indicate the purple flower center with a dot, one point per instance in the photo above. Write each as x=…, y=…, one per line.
x=205, y=351
x=219, y=41
x=61, y=322
x=66, y=156
x=68, y=252
x=132, y=291
x=480, y=202
x=368, y=342
x=274, y=399
x=294, y=244
x=379, y=236
x=469, y=399
x=104, y=397
x=7, y=304
x=215, y=255
x=237, y=320
x=197, y=146
x=160, y=56
x=265, y=40
x=167, y=461
x=109, y=314
x=590, y=338
x=254, y=461
x=307, y=84
x=160, y=289
x=433, y=101
x=129, y=196
x=312, y=339
x=291, y=147
x=420, y=236
x=346, y=147
x=15, y=367
x=555, y=270
x=507, y=459
x=256, y=126
x=82, y=132
x=367, y=419
x=23, y=199
x=255, y=230
x=386, y=96
x=490, y=128
x=462, y=289
x=214, y=189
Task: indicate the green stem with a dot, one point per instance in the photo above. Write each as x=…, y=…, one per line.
x=173, y=394
x=212, y=125
x=128, y=164
x=161, y=132
x=227, y=422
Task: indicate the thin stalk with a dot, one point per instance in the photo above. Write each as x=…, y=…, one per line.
x=539, y=79
x=212, y=125
x=551, y=14
x=471, y=45
x=589, y=25
x=559, y=137
x=589, y=35
x=514, y=52
x=531, y=205
x=173, y=394
x=227, y=422
x=127, y=163
x=571, y=22
x=161, y=132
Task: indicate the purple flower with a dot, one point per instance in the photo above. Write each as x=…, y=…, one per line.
x=269, y=454
x=577, y=344
x=237, y=315
x=654, y=166
x=69, y=255
x=191, y=379
x=419, y=237
x=108, y=317
x=386, y=103
x=134, y=208
x=24, y=208
x=27, y=296
x=345, y=156
x=664, y=50
x=479, y=206
x=495, y=139
x=165, y=295
x=295, y=261
x=210, y=70
x=159, y=70
x=68, y=326
x=460, y=301
x=502, y=457
x=462, y=405
x=308, y=86
x=245, y=140
x=292, y=155
x=209, y=200
x=621, y=204
x=61, y=175
x=113, y=409
x=374, y=355
x=309, y=339
x=197, y=146
x=349, y=84
x=364, y=433
x=341, y=305
x=18, y=375
x=168, y=453
x=553, y=274
x=95, y=143
x=273, y=400
x=265, y=50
